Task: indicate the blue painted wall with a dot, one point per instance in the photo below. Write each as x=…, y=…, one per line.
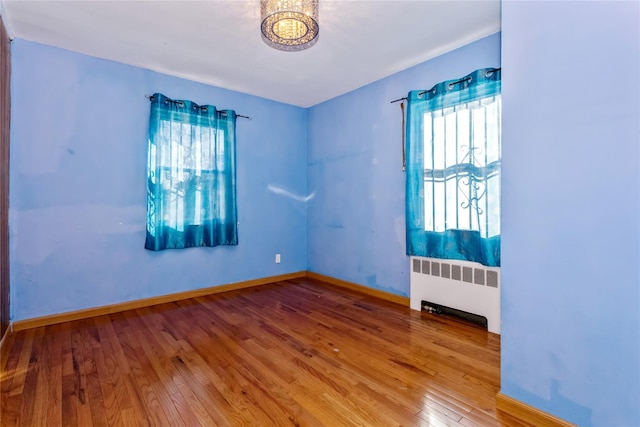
x=571, y=209
x=78, y=159
x=356, y=228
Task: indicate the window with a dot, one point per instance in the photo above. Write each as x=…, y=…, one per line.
x=453, y=174
x=190, y=176
x=462, y=167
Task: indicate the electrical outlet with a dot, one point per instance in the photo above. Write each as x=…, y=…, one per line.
x=277, y=258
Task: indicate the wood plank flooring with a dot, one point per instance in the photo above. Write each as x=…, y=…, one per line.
x=295, y=353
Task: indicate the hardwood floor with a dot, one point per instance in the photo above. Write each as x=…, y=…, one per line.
x=299, y=352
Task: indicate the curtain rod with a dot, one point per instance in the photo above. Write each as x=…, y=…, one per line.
x=452, y=83
x=150, y=98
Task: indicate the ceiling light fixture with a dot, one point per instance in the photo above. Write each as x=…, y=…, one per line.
x=289, y=25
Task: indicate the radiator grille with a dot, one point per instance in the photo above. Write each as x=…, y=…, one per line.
x=477, y=276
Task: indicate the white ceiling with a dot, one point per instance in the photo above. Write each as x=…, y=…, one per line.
x=219, y=42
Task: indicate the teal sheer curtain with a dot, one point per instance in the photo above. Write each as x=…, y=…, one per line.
x=191, y=177
x=453, y=169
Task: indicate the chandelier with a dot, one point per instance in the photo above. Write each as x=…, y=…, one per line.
x=289, y=25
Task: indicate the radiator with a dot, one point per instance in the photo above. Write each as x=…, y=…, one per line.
x=461, y=285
